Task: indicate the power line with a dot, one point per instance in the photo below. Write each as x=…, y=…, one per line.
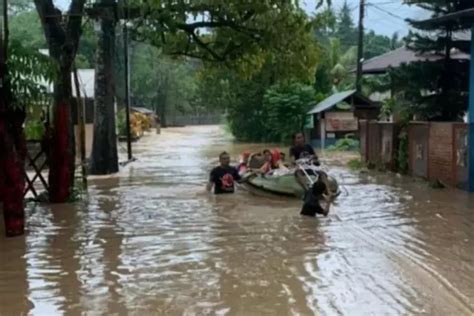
x=387, y=12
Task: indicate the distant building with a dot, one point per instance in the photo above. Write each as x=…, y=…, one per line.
x=338, y=116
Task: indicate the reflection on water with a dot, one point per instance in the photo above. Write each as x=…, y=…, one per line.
x=150, y=240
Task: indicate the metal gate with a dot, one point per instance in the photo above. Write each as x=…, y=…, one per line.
x=418, y=149
x=374, y=143
x=460, y=132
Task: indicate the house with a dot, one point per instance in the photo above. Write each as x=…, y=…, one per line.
x=338, y=116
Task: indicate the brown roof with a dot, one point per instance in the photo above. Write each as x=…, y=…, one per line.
x=400, y=56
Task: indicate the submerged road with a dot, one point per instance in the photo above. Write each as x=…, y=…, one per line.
x=151, y=241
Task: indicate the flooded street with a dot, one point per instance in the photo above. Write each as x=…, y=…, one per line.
x=152, y=241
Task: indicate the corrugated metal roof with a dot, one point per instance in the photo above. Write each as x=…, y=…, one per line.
x=400, y=56
x=461, y=17
x=142, y=110
x=86, y=80
x=331, y=101
x=86, y=83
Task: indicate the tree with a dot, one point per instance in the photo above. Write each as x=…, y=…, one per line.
x=62, y=35
x=166, y=85
x=25, y=69
x=438, y=89
x=345, y=29
x=219, y=30
x=104, y=159
x=25, y=26
x=286, y=106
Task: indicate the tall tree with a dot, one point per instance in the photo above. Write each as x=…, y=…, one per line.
x=104, y=159
x=345, y=29
x=437, y=89
x=62, y=33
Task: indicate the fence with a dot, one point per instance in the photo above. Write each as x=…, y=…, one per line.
x=207, y=119
x=436, y=150
x=379, y=143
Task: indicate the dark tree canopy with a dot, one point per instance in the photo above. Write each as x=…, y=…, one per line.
x=438, y=90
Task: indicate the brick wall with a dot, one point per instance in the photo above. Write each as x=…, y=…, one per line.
x=440, y=153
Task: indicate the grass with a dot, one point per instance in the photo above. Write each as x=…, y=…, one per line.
x=355, y=164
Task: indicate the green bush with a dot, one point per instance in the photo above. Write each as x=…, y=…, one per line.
x=345, y=144
x=273, y=114
x=355, y=164
x=285, y=108
x=121, y=125
x=34, y=130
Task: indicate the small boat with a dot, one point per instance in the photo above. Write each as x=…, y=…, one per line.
x=292, y=182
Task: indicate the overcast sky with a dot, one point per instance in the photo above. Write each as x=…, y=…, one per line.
x=383, y=16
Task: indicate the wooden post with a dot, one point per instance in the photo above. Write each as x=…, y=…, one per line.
x=470, y=146
x=127, y=83
x=82, y=129
x=322, y=120
x=360, y=46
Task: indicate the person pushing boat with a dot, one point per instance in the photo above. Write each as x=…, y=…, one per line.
x=300, y=149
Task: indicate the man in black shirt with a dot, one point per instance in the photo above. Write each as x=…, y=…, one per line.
x=223, y=176
x=300, y=149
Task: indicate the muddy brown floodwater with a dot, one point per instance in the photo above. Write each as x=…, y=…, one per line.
x=151, y=241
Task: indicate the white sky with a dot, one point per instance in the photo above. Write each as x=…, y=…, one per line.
x=383, y=16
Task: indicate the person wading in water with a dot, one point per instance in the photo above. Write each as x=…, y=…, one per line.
x=223, y=177
x=300, y=149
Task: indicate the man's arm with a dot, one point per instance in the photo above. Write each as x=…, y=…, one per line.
x=210, y=183
x=237, y=176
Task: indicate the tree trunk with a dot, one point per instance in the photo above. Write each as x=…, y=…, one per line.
x=104, y=150
x=12, y=165
x=62, y=155
x=62, y=35
x=12, y=149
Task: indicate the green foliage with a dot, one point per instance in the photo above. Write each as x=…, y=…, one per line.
x=346, y=30
x=25, y=27
x=345, y=144
x=224, y=30
x=167, y=86
x=337, y=37
x=121, y=123
x=437, y=90
x=355, y=164
x=34, y=130
x=403, y=152
x=29, y=72
x=284, y=110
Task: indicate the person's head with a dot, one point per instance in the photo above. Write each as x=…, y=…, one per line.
x=224, y=159
x=298, y=139
x=245, y=156
x=268, y=155
x=276, y=156
x=282, y=156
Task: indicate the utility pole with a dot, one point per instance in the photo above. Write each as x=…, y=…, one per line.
x=360, y=46
x=127, y=82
